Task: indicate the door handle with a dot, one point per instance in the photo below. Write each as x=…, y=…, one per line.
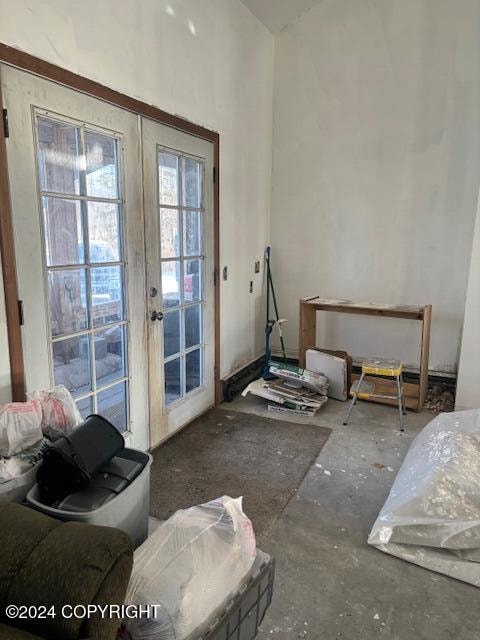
x=156, y=315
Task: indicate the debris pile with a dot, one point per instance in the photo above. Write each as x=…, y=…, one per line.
x=439, y=399
x=291, y=389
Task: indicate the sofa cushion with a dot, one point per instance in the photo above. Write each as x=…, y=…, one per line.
x=10, y=633
x=68, y=563
x=21, y=531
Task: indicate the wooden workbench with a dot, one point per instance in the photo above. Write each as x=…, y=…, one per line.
x=414, y=392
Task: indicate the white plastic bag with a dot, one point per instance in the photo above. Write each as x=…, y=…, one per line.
x=18, y=473
x=20, y=426
x=11, y=468
x=58, y=408
x=432, y=514
x=189, y=566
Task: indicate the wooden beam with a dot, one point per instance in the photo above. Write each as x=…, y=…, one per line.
x=45, y=69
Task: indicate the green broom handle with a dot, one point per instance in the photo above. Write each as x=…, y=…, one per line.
x=274, y=298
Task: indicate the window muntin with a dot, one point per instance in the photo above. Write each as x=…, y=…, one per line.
x=182, y=224
x=84, y=261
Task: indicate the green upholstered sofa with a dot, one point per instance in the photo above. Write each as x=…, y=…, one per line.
x=47, y=562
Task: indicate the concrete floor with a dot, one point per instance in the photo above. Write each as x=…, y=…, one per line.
x=330, y=584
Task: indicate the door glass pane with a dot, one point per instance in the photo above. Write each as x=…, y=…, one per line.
x=107, y=299
x=192, y=280
x=181, y=240
x=101, y=165
x=193, y=184
x=112, y=404
x=170, y=233
x=168, y=178
x=171, y=333
x=193, y=233
x=63, y=231
x=192, y=370
x=104, y=232
x=192, y=326
x=171, y=283
x=71, y=364
x=85, y=406
x=173, y=388
x=84, y=299
x=67, y=301
x=58, y=156
x=109, y=345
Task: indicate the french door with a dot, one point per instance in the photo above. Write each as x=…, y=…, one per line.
x=113, y=226
x=178, y=191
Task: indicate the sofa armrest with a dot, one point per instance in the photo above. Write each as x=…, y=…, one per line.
x=47, y=562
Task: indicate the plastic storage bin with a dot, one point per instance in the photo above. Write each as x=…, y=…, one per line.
x=16, y=489
x=242, y=617
x=128, y=510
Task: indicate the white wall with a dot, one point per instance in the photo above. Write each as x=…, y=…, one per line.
x=210, y=62
x=468, y=381
x=376, y=167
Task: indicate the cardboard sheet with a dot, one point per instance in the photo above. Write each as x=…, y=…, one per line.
x=334, y=368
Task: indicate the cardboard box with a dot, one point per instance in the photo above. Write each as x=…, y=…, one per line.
x=304, y=377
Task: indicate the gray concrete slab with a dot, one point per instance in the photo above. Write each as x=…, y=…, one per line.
x=330, y=584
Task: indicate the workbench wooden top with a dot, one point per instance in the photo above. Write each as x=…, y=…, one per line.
x=366, y=308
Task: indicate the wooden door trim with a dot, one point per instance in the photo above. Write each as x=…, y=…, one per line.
x=10, y=285
x=26, y=62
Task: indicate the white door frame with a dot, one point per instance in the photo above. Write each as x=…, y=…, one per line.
x=165, y=420
x=23, y=95
x=10, y=56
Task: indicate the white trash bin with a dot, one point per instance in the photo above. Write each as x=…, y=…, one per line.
x=127, y=509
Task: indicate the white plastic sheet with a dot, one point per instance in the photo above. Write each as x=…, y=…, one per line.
x=432, y=514
x=189, y=567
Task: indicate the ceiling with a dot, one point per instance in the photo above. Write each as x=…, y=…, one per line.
x=276, y=14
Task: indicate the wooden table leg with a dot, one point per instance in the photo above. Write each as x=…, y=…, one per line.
x=423, y=382
x=307, y=330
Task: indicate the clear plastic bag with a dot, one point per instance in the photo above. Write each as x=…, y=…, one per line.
x=189, y=566
x=159, y=628
x=59, y=410
x=432, y=514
